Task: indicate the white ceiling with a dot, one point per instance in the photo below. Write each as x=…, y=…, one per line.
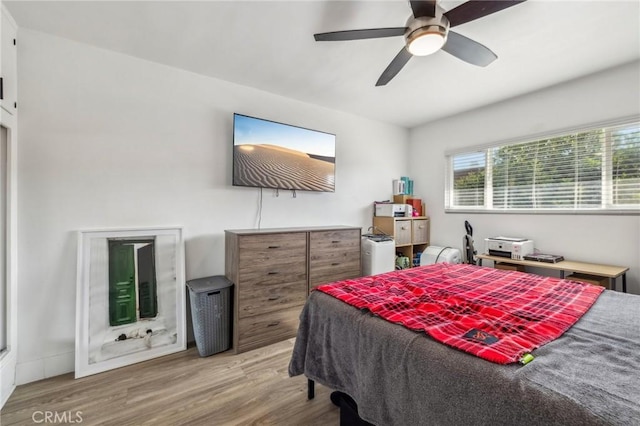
x=269, y=45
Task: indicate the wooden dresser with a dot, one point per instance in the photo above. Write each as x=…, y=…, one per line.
x=273, y=271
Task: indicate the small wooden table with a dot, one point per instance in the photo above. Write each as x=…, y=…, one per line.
x=608, y=271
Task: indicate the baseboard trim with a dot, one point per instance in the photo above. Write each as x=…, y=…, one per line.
x=44, y=368
x=5, y=397
x=30, y=371
x=7, y=376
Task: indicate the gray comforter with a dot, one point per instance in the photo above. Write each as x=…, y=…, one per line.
x=589, y=376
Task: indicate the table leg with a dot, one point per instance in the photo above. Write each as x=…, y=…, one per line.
x=612, y=283
x=624, y=282
x=561, y=275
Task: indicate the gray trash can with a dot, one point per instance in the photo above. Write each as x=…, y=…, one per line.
x=211, y=299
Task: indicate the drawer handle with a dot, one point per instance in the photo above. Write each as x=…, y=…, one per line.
x=271, y=247
x=213, y=292
x=273, y=324
x=421, y=226
x=335, y=241
x=271, y=273
x=335, y=263
x=274, y=298
x=404, y=228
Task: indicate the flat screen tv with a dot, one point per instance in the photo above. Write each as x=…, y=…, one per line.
x=267, y=154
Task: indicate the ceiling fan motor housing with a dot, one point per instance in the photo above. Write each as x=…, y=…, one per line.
x=425, y=25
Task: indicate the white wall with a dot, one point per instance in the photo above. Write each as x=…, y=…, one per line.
x=591, y=238
x=112, y=141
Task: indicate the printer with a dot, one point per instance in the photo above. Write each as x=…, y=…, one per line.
x=512, y=248
x=393, y=210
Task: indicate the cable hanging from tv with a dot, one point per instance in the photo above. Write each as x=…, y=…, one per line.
x=260, y=209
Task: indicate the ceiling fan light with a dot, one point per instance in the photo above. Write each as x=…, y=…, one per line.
x=425, y=41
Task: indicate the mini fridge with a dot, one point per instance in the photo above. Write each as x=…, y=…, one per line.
x=378, y=254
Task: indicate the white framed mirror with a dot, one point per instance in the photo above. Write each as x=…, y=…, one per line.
x=130, y=302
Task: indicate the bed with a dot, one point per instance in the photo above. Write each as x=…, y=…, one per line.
x=590, y=375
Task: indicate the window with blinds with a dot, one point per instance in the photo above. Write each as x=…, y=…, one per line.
x=594, y=169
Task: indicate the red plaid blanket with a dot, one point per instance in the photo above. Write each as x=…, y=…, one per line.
x=494, y=314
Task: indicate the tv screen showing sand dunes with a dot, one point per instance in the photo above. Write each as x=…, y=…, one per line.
x=268, y=154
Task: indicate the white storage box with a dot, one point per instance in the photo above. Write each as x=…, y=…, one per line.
x=435, y=254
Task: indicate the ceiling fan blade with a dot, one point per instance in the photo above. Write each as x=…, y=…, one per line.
x=468, y=50
x=360, y=34
x=423, y=8
x=394, y=67
x=475, y=9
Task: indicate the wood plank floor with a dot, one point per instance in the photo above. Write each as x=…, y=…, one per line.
x=252, y=388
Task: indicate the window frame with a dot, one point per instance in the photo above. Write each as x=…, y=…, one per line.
x=606, y=207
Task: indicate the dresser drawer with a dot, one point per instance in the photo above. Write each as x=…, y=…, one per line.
x=261, y=274
x=420, y=231
x=262, y=298
x=261, y=330
x=402, y=233
x=322, y=242
x=334, y=256
x=334, y=266
x=269, y=245
x=328, y=248
x=320, y=276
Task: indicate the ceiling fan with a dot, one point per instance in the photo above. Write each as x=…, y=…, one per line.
x=428, y=30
